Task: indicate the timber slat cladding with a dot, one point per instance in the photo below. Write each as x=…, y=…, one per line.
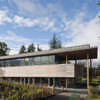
x=56, y=70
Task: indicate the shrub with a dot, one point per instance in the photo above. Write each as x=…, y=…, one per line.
x=17, y=91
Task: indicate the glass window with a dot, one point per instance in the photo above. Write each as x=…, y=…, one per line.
x=5, y=63
x=36, y=60
x=52, y=59
x=21, y=62
x=31, y=60
x=40, y=60
x=27, y=61
x=44, y=60
x=1, y=63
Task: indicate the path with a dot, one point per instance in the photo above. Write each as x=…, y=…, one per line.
x=65, y=96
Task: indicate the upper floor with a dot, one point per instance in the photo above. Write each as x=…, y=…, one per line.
x=55, y=56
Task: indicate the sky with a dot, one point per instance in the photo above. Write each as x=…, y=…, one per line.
x=75, y=22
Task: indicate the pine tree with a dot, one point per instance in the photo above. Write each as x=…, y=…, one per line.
x=31, y=48
x=38, y=48
x=3, y=49
x=22, y=49
x=55, y=43
x=99, y=6
x=98, y=3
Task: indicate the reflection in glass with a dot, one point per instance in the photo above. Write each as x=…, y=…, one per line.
x=40, y=60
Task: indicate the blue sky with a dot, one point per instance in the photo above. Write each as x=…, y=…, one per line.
x=75, y=22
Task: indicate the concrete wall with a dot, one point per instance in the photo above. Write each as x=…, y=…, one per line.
x=55, y=70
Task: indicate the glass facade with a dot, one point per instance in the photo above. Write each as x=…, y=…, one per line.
x=40, y=60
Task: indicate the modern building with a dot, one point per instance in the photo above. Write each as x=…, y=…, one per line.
x=48, y=67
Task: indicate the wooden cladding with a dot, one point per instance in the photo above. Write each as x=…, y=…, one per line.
x=54, y=70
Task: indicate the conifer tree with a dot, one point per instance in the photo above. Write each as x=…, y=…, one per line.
x=22, y=49
x=31, y=48
x=38, y=48
x=3, y=49
x=55, y=43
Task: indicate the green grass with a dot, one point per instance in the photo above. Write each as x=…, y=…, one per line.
x=95, y=81
x=92, y=99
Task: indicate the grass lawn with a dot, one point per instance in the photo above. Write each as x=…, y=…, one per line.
x=92, y=99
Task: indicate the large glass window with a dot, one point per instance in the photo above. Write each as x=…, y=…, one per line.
x=40, y=60
x=14, y=62
x=1, y=64
x=52, y=59
x=44, y=60
x=31, y=61
x=27, y=61
x=36, y=60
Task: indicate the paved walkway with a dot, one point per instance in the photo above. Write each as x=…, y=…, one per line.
x=65, y=96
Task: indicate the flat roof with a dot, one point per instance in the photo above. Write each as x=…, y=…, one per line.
x=74, y=52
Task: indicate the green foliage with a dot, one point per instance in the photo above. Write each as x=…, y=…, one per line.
x=95, y=81
x=92, y=99
x=99, y=6
x=17, y=91
x=23, y=49
x=98, y=3
x=55, y=43
x=38, y=48
x=31, y=48
x=95, y=92
x=3, y=49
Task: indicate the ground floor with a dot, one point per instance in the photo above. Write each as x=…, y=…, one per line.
x=49, y=82
x=56, y=82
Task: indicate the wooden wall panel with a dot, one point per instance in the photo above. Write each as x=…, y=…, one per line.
x=56, y=70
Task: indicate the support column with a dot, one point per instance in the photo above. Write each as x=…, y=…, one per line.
x=66, y=59
x=24, y=80
x=33, y=81
x=40, y=82
x=75, y=62
x=66, y=63
x=28, y=80
x=87, y=71
x=54, y=82
x=48, y=82
x=66, y=83
x=91, y=74
x=20, y=80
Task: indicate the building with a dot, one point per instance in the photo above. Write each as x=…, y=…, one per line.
x=48, y=67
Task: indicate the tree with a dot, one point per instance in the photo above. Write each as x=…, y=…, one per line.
x=3, y=49
x=31, y=48
x=38, y=49
x=55, y=43
x=23, y=49
x=98, y=5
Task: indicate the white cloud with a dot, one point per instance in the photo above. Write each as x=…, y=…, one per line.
x=83, y=32
x=4, y=17
x=35, y=8
x=44, y=15
x=14, y=41
x=43, y=23
x=21, y=21
x=78, y=30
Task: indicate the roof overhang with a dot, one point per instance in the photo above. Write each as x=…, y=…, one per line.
x=75, y=52
x=80, y=54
